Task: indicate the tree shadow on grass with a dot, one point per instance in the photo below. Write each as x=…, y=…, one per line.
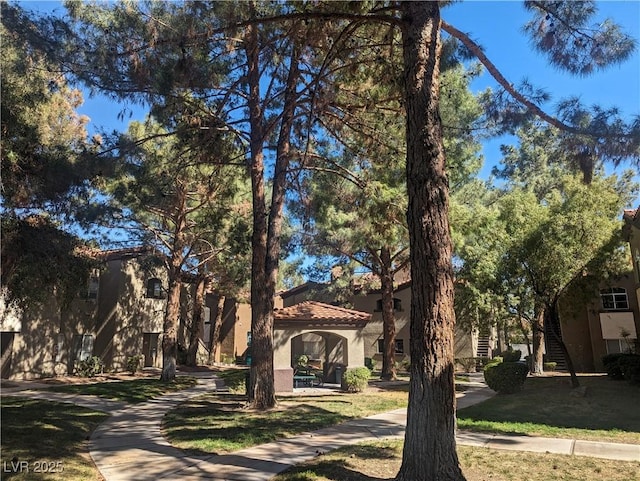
x=345, y=464
x=332, y=470
x=223, y=426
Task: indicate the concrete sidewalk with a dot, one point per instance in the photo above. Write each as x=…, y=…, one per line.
x=129, y=445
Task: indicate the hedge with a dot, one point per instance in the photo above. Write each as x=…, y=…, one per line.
x=511, y=355
x=623, y=366
x=506, y=377
x=355, y=379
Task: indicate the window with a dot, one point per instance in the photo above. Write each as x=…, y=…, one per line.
x=91, y=290
x=615, y=346
x=59, y=348
x=154, y=288
x=614, y=299
x=397, y=305
x=82, y=346
x=399, y=346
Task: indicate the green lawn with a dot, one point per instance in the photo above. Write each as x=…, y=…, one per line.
x=57, y=433
x=43, y=435
x=234, y=379
x=381, y=461
x=549, y=407
x=135, y=391
x=221, y=424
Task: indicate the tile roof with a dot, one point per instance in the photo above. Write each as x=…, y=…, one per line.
x=631, y=213
x=315, y=313
x=631, y=218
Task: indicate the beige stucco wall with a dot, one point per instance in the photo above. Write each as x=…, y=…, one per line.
x=41, y=347
x=582, y=328
x=465, y=343
x=373, y=330
x=127, y=313
x=117, y=320
x=343, y=346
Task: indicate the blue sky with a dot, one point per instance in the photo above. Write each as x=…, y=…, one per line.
x=496, y=26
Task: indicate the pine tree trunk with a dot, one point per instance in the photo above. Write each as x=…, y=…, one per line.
x=197, y=322
x=430, y=443
x=172, y=313
x=261, y=392
x=170, y=331
x=266, y=242
x=388, y=320
x=538, y=342
x=214, y=331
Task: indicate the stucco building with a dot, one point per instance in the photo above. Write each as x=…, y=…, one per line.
x=118, y=315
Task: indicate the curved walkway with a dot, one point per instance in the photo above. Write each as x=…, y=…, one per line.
x=129, y=444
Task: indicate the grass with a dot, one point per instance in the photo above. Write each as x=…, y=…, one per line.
x=134, y=391
x=234, y=379
x=549, y=407
x=221, y=424
x=381, y=461
x=36, y=432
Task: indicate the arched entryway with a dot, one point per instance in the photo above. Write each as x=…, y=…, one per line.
x=326, y=351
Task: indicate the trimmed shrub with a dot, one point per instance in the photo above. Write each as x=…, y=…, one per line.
x=549, y=366
x=90, y=367
x=355, y=379
x=510, y=355
x=468, y=364
x=370, y=363
x=133, y=363
x=481, y=362
x=623, y=366
x=506, y=377
x=493, y=361
x=632, y=372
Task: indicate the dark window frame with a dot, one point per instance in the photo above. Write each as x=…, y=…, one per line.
x=399, y=346
x=614, y=299
x=397, y=305
x=155, y=289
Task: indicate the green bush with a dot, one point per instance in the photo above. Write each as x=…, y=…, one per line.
x=623, y=366
x=632, y=372
x=506, y=377
x=370, y=363
x=405, y=365
x=302, y=360
x=227, y=359
x=356, y=379
x=468, y=363
x=549, y=366
x=510, y=355
x=133, y=363
x=493, y=361
x=482, y=361
x=90, y=367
